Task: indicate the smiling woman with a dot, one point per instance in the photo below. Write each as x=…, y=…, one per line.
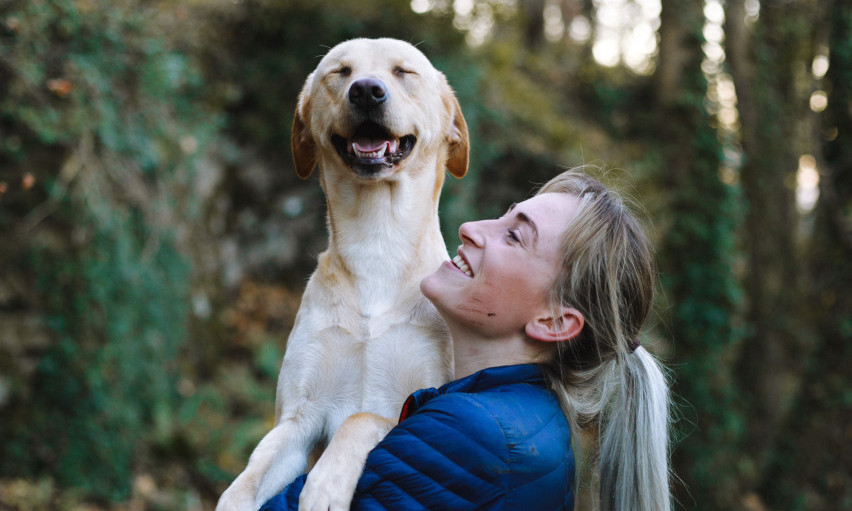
x=509, y=261
x=545, y=305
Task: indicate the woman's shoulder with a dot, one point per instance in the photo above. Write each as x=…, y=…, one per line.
x=521, y=425
x=464, y=449
x=449, y=421
x=538, y=440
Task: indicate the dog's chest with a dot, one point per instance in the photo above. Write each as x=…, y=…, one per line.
x=400, y=354
x=376, y=351
x=375, y=373
x=404, y=358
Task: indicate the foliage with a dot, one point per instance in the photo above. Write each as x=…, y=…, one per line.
x=140, y=142
x=95, y=90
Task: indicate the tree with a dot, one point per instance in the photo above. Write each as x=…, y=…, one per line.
x=766, y=67
x=695, y=263
x=810, y=468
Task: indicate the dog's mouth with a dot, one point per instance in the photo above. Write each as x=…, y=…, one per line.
x=372, y=149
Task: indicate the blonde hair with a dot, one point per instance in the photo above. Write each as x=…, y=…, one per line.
x=611, y=388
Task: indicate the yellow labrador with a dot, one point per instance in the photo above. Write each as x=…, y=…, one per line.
x=382, y=124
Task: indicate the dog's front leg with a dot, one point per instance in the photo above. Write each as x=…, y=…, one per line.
x=331, y=483
x=277, y=460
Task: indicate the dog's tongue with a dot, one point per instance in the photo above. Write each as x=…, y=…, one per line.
x=369, y=145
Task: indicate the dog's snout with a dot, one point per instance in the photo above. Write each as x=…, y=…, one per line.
x=368, y=92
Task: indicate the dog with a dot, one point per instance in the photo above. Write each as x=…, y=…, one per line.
x=382, y=124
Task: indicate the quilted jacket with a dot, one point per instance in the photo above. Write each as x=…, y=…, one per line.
x=496, y=439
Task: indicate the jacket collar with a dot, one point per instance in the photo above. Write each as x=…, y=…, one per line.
x=485, y=379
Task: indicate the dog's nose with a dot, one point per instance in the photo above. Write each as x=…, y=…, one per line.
x=368, y=92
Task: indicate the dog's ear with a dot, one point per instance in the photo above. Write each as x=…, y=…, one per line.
x=458, y=138
x=304, y=148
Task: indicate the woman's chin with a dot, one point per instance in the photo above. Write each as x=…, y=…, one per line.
x=428, y=286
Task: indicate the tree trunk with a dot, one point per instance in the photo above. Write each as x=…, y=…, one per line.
x=533, y=23
x=764, y=66
x=812, y=465
x=677, y=55
x=695, y=262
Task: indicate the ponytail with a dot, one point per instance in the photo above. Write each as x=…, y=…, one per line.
x=634, y=439
x=621, y=408
x=612, y=390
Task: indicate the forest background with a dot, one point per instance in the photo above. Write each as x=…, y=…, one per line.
x=155, y=240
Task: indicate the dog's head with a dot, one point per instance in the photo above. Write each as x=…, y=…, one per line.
x=376, y=104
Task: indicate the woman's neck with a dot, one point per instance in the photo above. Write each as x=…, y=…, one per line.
x=473, y=353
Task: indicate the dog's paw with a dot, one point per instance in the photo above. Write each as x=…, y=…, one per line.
x=331, y=483
x=329, y=490
x=236, y=499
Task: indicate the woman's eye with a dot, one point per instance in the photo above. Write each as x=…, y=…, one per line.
x=513, y=236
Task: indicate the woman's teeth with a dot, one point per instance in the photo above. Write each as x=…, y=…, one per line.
x=461, y=265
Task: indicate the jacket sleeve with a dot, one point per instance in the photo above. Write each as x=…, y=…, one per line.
x=451, y=454
x=287, y=500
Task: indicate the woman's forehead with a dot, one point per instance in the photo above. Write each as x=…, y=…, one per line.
x=550, y=214
x=559, y=207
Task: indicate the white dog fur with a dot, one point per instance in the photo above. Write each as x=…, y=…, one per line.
x=364, y=336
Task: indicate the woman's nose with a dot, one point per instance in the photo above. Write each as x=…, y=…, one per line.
x=471, y=233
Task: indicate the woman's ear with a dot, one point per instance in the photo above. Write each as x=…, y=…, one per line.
x=560, y=325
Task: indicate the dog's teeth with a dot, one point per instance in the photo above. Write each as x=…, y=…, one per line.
x=373, y=155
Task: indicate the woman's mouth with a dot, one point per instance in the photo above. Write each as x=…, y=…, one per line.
x=459, y=263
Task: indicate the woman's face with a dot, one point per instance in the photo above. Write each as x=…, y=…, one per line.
x=505, y=267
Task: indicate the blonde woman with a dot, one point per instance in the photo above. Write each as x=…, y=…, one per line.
x=545, y=305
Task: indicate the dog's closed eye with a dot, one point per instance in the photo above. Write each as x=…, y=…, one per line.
x=401, y=71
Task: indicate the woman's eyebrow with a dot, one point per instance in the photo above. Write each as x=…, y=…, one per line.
x=523, y=217
x=529, y=221
x=520, y=215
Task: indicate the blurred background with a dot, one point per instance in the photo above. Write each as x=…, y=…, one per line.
x=155, y=240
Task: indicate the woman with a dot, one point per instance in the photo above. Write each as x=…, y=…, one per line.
x=545, y=305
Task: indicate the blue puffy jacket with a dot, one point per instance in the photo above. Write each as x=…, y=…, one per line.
x=496, y=439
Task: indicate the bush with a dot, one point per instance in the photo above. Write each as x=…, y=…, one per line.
x=102, y=111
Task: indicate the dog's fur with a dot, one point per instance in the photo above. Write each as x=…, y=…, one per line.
x=364, y=336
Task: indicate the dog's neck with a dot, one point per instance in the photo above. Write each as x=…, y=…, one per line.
x=385, y=234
